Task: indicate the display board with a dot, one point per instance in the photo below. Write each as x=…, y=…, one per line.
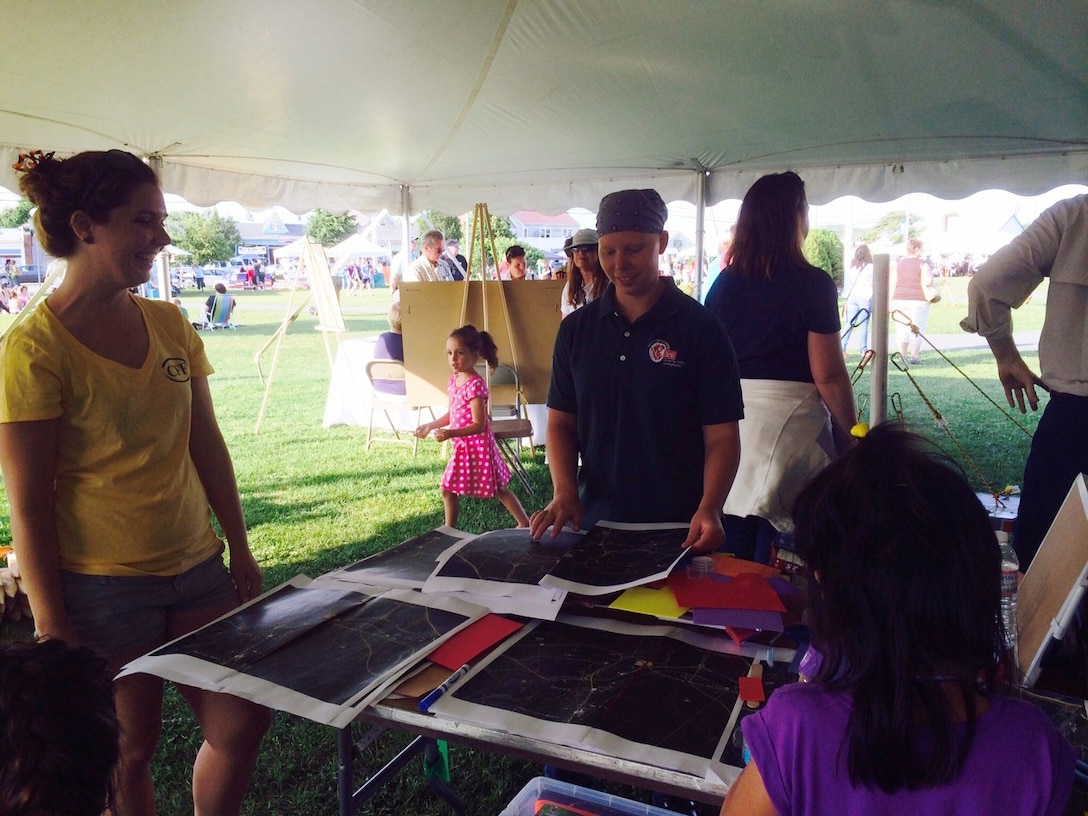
x=430, y=311
x=322, y=289
x=1055, y=581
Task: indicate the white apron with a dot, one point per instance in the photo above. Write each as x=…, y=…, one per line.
x=785, y=439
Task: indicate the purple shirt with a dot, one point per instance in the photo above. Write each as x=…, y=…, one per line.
x=1018, y=764
x=389, y=346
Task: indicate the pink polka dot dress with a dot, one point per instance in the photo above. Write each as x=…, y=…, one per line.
x=476, y=467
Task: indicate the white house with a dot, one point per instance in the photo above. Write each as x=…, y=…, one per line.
x=545, y=232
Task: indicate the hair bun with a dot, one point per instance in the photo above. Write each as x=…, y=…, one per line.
x=31, y=161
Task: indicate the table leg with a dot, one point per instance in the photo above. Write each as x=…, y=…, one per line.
x=345, y=767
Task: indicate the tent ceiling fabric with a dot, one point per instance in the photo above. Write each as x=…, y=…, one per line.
x=549, y=105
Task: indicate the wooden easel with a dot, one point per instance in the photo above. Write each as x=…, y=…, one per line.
x=322, y=294
x=505, y=430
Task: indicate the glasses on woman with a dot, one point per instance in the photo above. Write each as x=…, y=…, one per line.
x=119, y=161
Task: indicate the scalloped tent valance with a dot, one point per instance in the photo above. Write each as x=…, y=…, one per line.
x=372, y=104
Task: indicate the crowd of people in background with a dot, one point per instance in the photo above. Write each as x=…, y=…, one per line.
x=13, y=300
x=357, y=275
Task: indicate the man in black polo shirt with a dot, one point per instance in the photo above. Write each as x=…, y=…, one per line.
x=645, y=388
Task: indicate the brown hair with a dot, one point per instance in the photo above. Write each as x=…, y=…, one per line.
x=863, y=256
x=768, y=234
x=480, y=343
x=580, y=290
x=95, y=182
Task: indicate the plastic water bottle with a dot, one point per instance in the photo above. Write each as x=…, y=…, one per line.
x=1010, y=579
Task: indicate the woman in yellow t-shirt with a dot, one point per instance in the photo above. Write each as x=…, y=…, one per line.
x=113, y=463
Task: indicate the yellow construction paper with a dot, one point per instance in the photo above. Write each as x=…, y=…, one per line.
x=660, y=603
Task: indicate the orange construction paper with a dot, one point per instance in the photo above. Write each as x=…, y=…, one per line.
x=424, y=681
x=732, y=566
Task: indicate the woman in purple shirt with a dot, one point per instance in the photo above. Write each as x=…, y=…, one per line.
x=907, y=711
x=390, y=346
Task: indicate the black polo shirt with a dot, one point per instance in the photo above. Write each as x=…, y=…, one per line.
x=642, y=393
x=769, y=319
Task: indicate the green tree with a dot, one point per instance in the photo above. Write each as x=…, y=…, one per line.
x=209, y=236
x=448, y=225
x=823, y=248
x=328, y=229
x=501, y=226
x=892, y=228
x=16, y=216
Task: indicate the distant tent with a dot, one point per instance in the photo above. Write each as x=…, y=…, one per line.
x=356, y=246
x=291, y=250
x=1012, y=227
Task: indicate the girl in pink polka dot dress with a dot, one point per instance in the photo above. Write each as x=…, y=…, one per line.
x=476, y=467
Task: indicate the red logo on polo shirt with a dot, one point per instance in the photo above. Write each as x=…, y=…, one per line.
x=661, y=353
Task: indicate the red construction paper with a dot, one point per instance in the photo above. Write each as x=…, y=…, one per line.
x=740, y=635
x=695, y=593
x=745, y=591
x=751, y=690
x=748, y=591
x=473, y=640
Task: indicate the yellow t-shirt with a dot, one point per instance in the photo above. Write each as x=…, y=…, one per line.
x=127, y=497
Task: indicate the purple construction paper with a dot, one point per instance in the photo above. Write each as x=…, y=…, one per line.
x=739, y=619
x=784, y=586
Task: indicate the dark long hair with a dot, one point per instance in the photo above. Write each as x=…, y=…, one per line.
x=904, y=586
x=769, y=227
x=480, y=343
x=95, y=182
x=58, y=731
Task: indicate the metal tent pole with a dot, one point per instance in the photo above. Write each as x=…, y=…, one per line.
x=878, y=341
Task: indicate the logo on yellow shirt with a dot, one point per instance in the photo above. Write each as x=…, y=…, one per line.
x=176, y=369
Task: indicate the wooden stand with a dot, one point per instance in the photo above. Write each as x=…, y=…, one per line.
x=522, y=316
x=327, y=303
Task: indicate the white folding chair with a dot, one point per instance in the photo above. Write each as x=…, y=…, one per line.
x=391, y=405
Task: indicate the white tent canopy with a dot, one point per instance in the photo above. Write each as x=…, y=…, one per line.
x=295, y=249
x=372, y=104
x=356, y=246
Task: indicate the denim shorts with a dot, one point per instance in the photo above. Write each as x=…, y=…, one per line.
x=122, y=617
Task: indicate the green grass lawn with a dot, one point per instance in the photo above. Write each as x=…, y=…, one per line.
x=314, y=501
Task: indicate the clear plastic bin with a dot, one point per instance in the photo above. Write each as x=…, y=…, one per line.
x=535, y=797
